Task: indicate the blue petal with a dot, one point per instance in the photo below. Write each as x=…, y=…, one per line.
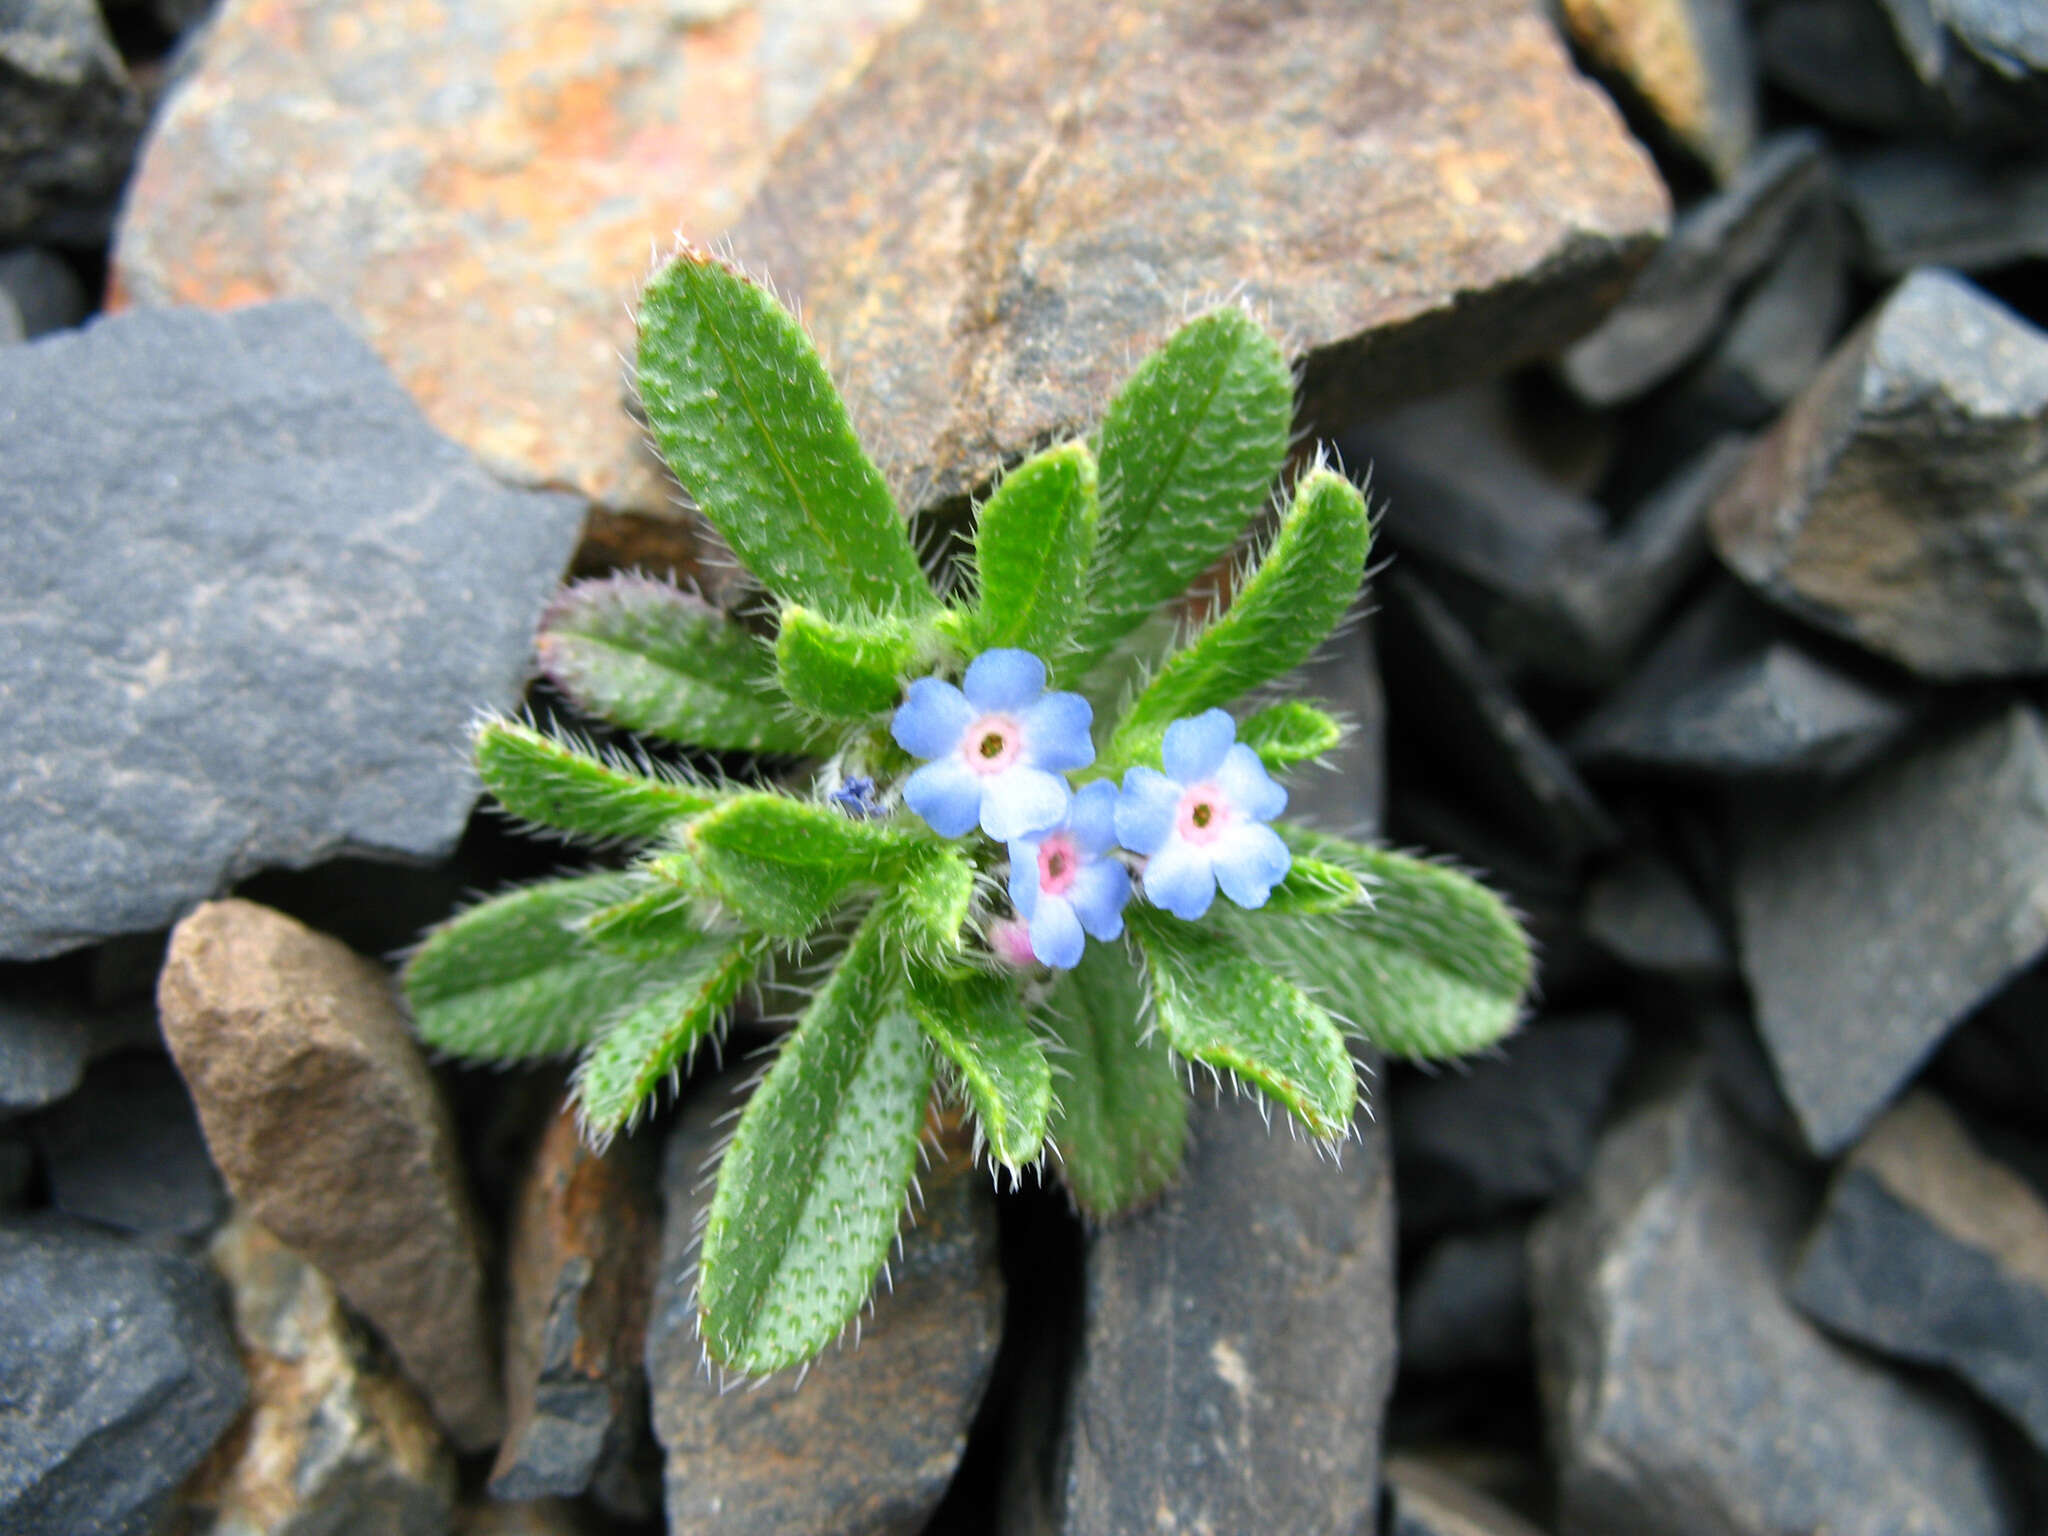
x=1249, y=862
x=1056, y=732
x=1024, y=876
x=1019, y=802
x=1245, y=782
x=1179, y=879
x=1092, y=817
x=1056, y=934
x=947, y=794
x=934, y=716
x=1097, y=896
x=1145, y=810
x=1003, y=679
x=1194, y=748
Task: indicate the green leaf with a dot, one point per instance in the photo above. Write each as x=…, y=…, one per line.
x=1187, y=449
x=542, y=778
x=1286, y=609
x=978, y=1022
x=813, y=1184
x=642, y=654
x=1315, y=886
x=846, y=671
x=513, y=978
x=1289, y=732
x=657, y=919
x=1217, y=1005
x=748, y=419
x=1032, y=543
x=781, y=864
x=648, y=1041
x=932, y=900
x=1121, y=1122
x=1436, y=967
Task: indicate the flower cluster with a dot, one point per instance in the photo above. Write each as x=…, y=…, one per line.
x=996, y=753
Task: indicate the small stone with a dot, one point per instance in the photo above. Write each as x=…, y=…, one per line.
x=45, y=1040
x=585, y=1236
x=1985, y=61
x=253, y=605
x=1678, y=302
x=1782, y=329
x=1930, y=1250
x=1643, y=913
x=1840, y=57
x=321, y=1114
x=1346, y=791
x=1467, y=1306
x=1727, y=693
x=1237, y=1345
x=125, y=1151
x=480, y=199
x=45, y=291
x=1508, y=1130
x=69, y=121
x=1478, y=730
x=1688, y=61
x=334, y=1440
x=1683, y=1394
x=1014, y=202
x=1900, y=502
x=866, y=1444
x=118, y=1374
x=1874, y=922
x=1926, y=205
x=1424, y=1500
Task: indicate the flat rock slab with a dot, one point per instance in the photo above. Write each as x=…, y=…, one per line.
x=1237, y=1344
x=1927, y=205
x=118, y=1373
x=1902, y=501
x=1871, y=925
x=1014, y=202
x=251, y=603
x=1685, y=1396
x=126, y=1151
x=321, y=1113
x=1931, y=1250
x=865, y=1441
x=479, y=186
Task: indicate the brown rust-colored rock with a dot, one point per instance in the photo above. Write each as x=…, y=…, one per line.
x=479, y=187
x=1016, y=201
x=1688, y=61
x=321, y=1114
x=583, y=1245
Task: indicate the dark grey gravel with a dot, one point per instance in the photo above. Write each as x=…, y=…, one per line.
x=1466, y=1307
x=45, y=1042
x=251, y=602
x=43, y=289
x=126, y=1151
x=70, y=119
x=1642, y=911
x=1783, y=327
x=1931, y=205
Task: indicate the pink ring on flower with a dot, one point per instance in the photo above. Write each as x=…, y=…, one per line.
x=1204, y=814
x=991, y=744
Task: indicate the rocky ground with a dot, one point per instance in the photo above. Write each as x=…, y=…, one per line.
x=1694, y=350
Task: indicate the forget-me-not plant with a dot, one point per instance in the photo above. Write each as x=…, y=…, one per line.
x=974, y=819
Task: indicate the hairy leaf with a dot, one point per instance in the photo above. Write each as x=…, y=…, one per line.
x=1187, y=451
x=1286, y=609
x=847, y=671
x=540, y=777
x=933, y=897
x=1032, y=543
x=978, y=1022
x=1121, y=1122
x=1436, y=967
x=1314, y=885
x=649, y=1040
x=640, y=653
x=1289, y=732
x=748, y=418
x=1217, y=1005
x=656, y=919
x=813, y=1184
x=781, y=864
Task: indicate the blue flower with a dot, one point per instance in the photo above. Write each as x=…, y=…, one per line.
x=1064, y=881
x=997, y=747
x=1202, y=823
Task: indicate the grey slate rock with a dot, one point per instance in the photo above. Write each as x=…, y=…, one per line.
x=1237, y=1346
x=1425, y=1500
x=1507, y=1130
x=1930, y=1250
x=252, y=603
x=1781, y=330
x=1643, y=913
x=126, y=1152
x=17, y=1169
x=1900, y=502
x=70, y=119
x=1683, y=1393
x=45, y=1042
x=1728, y=693
x=1841, y=57
x=1930, y=205
x=1871, y=924
x=1344, y=793
x=118, y=1372
x=1716, y=246
x=1466, y=1307
x=44, y=290
x=12, y=328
